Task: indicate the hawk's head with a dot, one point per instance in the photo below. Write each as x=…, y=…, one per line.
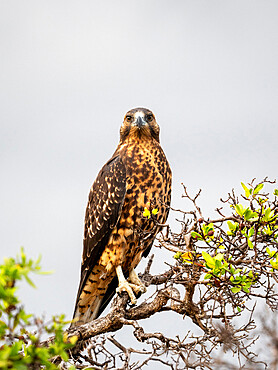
x=139, y=123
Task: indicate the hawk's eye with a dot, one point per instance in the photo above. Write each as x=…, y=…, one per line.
x=149, y=117
x=128, y=118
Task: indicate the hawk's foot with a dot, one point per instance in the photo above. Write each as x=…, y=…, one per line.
x=125, y=286
x=134, y=279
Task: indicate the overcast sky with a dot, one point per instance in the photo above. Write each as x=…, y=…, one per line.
x=69, y=71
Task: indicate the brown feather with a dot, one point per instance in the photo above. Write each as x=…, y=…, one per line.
x=116, y=233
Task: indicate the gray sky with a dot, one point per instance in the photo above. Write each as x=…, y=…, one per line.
x=69, y=71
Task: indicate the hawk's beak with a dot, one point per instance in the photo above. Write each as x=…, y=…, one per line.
x=140, y=122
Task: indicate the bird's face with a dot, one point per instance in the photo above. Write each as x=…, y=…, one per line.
x=139, y=123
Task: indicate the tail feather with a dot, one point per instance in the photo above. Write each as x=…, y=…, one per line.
x=89, y=302
x=94, y=298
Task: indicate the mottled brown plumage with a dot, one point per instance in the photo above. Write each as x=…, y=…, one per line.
x=116, y=235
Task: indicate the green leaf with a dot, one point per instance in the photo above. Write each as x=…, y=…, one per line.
x=246, y=290
x=238, y=279
x=250, y=244
x=247, y=191
x=236, y=289
x=45, y=272
x=22, y=255
x=196, y=235
x=29, y=281
x=209, y=260
x=217, y=265
x=239, y=209
x=232, y=227
x=274, y=264
x=238, y=309
x=249, y=215
x=251, y=232
x=269, y=215
x=178, y=255
x=270, y=253
x=258, y=188
x=219, y=257
x=275, y=192
x=20, y=366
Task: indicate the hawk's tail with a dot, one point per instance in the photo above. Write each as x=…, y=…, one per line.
x=82, y=316
x=93, y=299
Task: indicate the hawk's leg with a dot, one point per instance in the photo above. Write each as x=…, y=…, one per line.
x=133, y=278
x=125, y=286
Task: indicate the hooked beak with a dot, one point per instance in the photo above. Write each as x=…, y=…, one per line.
x=140, y=122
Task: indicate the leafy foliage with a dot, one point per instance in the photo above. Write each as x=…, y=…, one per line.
x=222, y=267
x=236, y=258
x=20, y=332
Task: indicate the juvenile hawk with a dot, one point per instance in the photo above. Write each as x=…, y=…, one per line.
x=116, y=234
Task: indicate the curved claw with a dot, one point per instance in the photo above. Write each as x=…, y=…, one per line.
x=134, y=286
x=134, y=279
x=124, y=286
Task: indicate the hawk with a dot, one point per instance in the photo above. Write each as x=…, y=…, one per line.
x=128, y=203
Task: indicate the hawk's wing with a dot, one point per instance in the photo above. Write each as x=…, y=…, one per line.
x=102, y=214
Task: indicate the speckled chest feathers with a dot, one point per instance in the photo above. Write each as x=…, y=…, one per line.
x=148, y=184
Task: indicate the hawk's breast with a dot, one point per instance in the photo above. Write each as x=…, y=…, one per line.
x=148, y=182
